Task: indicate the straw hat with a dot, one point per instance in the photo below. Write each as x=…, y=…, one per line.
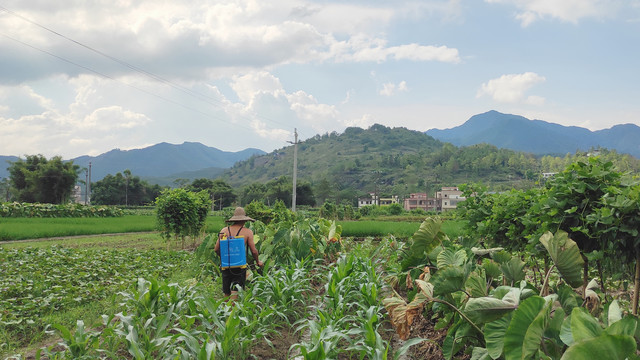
x=240, y=215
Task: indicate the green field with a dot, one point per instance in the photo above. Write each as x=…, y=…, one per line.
x=400, y=229
x=36, y=228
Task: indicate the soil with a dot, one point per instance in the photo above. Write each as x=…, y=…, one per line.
x=279, y=348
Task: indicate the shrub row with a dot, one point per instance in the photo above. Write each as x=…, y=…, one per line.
x=17, y=209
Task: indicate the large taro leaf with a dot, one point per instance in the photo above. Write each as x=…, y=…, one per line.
x=625, y=326
x=479, y=353
x=448, y=280
x=513, y=270
x=524, y=335
x=449, y=257
x=486, y=309
x=494, y=335
x=423, y=241
x=605, y=346
x=583, y=325
x=565, y=255
x=476, y=284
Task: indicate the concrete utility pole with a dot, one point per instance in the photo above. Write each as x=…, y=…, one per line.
x=86, y=186
x=89, y=184
x=295, y=169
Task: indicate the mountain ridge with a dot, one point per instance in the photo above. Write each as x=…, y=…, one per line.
x=538, y=137
x=157, y=161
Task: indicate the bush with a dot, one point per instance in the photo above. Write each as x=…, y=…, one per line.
x=17, y=209
x=259, y=211
x=182, y=213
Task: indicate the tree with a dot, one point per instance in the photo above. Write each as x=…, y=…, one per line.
x=304, y=194
x=182, y=213
x=220, y=191
x=324, y=190
x=253, y=192
x=37, y=179
x=123, y=190
x=279, y=189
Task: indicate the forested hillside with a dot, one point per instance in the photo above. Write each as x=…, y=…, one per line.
x=399, y=161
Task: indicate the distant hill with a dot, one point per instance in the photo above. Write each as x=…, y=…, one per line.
x=538, y=137
x=399, y=161
x=161, y=163
x=162, y=160
x=169, y=180
x=4, y=164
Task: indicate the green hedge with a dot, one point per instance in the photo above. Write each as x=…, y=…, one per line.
x=17, y=209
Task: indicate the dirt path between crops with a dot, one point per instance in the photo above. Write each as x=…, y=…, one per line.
x=74, y=237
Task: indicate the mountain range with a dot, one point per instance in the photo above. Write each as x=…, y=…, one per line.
x=156, y=163
x=333, y=154
x=538, y=137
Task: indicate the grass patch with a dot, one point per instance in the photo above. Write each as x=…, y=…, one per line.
x=400, y=229
x=37, y=228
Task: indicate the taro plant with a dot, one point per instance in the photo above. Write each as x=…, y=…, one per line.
x=513, y=321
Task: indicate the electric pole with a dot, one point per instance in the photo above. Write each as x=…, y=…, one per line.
x=89, y=184
x=295, y=169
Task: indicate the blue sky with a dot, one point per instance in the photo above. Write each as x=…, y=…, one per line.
x=85, y=77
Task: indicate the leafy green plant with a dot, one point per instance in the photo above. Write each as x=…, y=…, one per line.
x=182, y=213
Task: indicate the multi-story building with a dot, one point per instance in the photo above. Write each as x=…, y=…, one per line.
x=448, y=198
x=420, y=201
x=374, y=199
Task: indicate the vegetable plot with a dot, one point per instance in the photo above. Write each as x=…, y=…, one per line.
x=39, y=282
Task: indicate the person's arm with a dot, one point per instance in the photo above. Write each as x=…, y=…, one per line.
x=217, y=247
x=254, y=251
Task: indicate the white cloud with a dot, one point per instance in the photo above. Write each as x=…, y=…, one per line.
x=511, y=88
x=389, y=89
x=114, y=117
x=565, y=10
x=362, y=48
x=365, y=121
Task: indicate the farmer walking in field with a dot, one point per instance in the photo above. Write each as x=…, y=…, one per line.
x=231, y=246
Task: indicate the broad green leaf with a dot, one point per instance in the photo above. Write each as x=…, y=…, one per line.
x=428, y=236
x=565, y=255
x=476, y=284
x=513, y=270
x=534, y=335
x=583, y=325
x=501, y=256
x=451, y=344
x=626, y=326
x=567, y=298
x=494, y=335
x=491, y=268
x=522, y=319
x=479, y=353
x=448, y=280
x=486, y=309
x=605, y=346
x=448, y=257
x=565, y=331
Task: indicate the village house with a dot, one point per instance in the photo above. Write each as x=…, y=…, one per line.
x=374, y=199
x=420, y=201
x=448, y=198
